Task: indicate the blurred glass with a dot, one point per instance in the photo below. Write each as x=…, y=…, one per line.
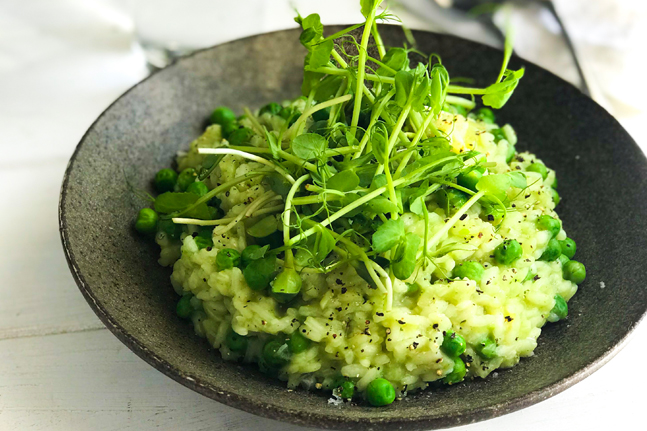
x=167, y=29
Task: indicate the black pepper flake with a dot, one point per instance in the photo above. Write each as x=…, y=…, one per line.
x=490, y=217
x=344, y=290
x=415, y=345
x=435, y=326
x=194, y=234
x=204, y=279
x=380, y=314
x=463, y=217
x=209, y=248
x=338, y=281
x=367, y=331
x=439, y=360
x=536, y=277
x=479, y=291
x=508, y=318
x=227, y=193
x=401, y=322
x=334, y=335
x=338, y=309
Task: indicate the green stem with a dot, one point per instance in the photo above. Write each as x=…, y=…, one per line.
x=378, y=40
x=221, y=188
x=318, y=107
x=452, y=221
x=375, y=115
x=289, y=256
x=361, y=70
x=455, y=89
x=459, y=101
x=249, y=156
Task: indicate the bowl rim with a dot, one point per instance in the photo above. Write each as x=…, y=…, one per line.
x=301, y=417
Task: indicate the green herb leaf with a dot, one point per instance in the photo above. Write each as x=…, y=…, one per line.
x=379, y=141
x=388, y=235
x=404, y=82
x=396, y=59
x=309, y=146
x=264, y=227
x=170, y=202
x=404, y=262
x=496, y=95
x=343, y=181
x=320, y=54
x=273, y=143
x=324, y=243
x=368, y=6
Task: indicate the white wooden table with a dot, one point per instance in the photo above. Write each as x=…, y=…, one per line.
x=61, y=64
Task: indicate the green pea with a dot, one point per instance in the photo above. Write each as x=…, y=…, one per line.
x=559, y=311
x=568, y=247
x=271, y=108
x=222, y=115
x=498, y=134
x=469, y=179
x=184, y=309
x=286, y=285
x=486, y=349
x=554, y=185
x=511, y=151
x=172, y=230
x=251, y=253
x=539, y=168
x=298, y=343
x=276, y=353
x=229, y=128
x=235, y=342
x=380, y=392
x=546, y=222
x=555, y=196
x=458, y=372
x=240, y=136
x=508, y=251
x=165, y=180
x=322, y=115
x=202, y=242
x=451, y=199
x=227, y=258
x=146, y=222
x=563, y=259
x=453, y=344
x=186, y=178
x=344, y=388
x=472, y=270
x=198, y=188
x=486, y=115
x=553, y=251
x=259, y=273
x=574, y=271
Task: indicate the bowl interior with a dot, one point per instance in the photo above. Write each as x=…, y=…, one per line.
x=602, y=182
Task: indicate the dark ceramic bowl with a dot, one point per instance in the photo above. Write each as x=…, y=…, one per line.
x=602, y=180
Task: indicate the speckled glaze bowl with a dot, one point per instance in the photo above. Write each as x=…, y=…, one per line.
x=118, y=274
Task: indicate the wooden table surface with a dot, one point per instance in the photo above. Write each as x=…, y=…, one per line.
x=60, y=369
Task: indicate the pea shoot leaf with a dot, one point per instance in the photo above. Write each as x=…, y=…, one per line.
x=343, y=181
x=273, y=143
x=264, y=227
x=388, y=235
x=497, y=185
x=324, y=243
x=171, y=202
x=404, y=81
x=309, y=146
x=368, y=6
x=496, y=95
x=438, y=86
x=379, y=141
x=404, y=262
x=320, y=54
x=396, y=59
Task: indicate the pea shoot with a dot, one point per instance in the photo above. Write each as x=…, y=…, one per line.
x=227, y=258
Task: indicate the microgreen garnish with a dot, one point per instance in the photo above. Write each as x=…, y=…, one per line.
x=364, y=148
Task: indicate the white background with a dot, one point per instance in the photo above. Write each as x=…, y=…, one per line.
x=61, y=63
